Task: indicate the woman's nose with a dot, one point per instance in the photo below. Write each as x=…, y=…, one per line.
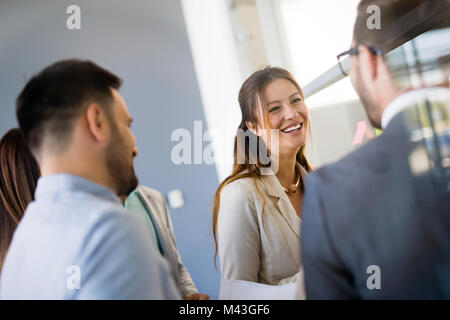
x=290, y=112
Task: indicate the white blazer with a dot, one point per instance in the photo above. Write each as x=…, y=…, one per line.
x=256, y=246
x=160, y=216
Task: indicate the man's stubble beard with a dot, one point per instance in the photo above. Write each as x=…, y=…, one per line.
x=370, y=106
x=123, y=175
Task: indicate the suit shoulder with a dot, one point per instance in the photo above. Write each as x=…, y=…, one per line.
x=242, y=187
x=364, y=159
x=239, y=194
x=151, y=194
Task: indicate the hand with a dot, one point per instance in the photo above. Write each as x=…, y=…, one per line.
x=196, y=296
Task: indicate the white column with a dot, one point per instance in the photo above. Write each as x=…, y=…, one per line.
x=218, y=74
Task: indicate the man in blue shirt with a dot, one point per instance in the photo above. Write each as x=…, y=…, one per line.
x=75, y=240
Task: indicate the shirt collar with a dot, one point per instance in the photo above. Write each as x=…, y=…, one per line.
x=56, y=183
x=130, y=197
x=410, y=98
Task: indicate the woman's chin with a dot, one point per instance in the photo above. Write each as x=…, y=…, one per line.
x=293, y=143
x=290, y=149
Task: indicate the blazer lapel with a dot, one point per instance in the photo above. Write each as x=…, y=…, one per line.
x=164, y=238
x=152, y=213
x=282, y=202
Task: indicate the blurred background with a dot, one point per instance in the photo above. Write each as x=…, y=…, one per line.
x=182, y=63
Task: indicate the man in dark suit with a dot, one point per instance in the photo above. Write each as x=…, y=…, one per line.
x=376, y=224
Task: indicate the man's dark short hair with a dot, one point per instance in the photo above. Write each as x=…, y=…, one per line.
x=401, y=21
x=53, y=99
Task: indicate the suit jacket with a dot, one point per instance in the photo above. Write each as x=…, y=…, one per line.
x=376, y=225
x=160, y=216
x=254, y=246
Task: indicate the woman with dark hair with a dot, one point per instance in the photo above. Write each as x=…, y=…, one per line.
x=19, y=173
x=257, y=209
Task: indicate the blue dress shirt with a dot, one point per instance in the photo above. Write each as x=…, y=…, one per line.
x=76, y=241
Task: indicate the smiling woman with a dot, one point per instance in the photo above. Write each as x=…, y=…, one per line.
x=256, y=214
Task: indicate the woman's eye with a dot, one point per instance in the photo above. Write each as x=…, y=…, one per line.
x=296, y=100
x=274, y=109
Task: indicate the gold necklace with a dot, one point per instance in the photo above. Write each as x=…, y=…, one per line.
x=293, y=187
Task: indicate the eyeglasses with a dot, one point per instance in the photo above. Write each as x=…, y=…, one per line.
x=344, y=61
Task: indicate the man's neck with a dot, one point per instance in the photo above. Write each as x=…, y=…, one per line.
x=389, y=94
x=94, y=173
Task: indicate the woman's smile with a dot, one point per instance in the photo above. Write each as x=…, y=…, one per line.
x=293, y=129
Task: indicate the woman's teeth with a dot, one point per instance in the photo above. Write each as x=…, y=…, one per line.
x=287, y=130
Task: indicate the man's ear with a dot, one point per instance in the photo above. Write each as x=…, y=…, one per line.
x=368, y=63
x=96, y=122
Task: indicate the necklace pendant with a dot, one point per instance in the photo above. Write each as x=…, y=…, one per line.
x=293, y=187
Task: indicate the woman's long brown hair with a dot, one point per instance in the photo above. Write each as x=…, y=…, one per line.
x=251, y=102
x=19, y=173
